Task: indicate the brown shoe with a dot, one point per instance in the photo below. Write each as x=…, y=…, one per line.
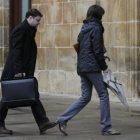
x=46, y=126
x=4, y=130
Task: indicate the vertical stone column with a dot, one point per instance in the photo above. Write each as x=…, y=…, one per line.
x=4, y=31
x=122, y=40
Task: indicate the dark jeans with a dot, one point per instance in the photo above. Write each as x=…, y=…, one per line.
x=38, y=112
x=87, y=81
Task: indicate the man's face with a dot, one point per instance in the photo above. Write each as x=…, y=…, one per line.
x=35, y=21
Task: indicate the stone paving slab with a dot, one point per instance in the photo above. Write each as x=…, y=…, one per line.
x=84, y=126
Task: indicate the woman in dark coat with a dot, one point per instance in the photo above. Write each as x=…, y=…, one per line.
x=21, y=61
x=90, y=64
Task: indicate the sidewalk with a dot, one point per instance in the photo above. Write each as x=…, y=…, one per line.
x=84, y=126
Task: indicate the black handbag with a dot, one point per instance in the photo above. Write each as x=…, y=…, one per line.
x=19, y=92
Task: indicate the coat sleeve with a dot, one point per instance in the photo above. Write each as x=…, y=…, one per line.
x=97, y=44
x=17, y=49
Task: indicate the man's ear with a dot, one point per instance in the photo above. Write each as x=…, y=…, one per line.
x=30, y=18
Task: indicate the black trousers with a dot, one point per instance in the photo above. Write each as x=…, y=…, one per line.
x=37, y=110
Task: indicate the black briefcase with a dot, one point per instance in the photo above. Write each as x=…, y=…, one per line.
x=19, y=92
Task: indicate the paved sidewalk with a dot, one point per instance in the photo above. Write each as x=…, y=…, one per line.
x=84, y=126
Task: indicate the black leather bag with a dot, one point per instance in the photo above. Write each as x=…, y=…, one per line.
x=19, y=92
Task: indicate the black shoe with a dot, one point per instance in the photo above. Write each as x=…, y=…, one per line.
x=46, y=126
x=111, y=132
x=62, y=127
x=4, y=130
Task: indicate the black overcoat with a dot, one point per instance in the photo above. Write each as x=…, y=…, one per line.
x=22, y=52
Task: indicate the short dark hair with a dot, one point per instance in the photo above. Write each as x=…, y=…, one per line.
x=33, y=12
x=94, y=11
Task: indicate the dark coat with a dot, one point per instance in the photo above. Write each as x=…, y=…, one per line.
x=91, y=54
x=22, y=52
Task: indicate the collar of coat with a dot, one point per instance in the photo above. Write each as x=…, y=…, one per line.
x=31, y=29
x=98, y=21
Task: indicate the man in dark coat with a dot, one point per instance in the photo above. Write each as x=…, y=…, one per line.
x=21, y=62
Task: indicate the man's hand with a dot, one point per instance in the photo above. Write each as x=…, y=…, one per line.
x=19, y=75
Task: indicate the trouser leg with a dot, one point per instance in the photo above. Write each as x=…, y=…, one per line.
x=3, y=114
x=39, y=113
x=86, y=87
x=97, y=80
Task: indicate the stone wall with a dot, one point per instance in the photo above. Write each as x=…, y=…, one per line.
x=4, y=32
x=122, y=40
x=62, y=21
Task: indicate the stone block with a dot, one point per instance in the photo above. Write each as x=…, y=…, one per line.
x=106, y=6
x=36, y=74
x=3, y=56
x=6, y=17
x=134, y=84
x=124, y=79
x=1, y=3
x=62, y=35
x=114, y=10
x=82, y=8
x=42, y=9
x=46, y=1
x=133, y=53
x=132, y=9
x=58, y=80
x=129, y=37
x=112, y=53
x=132, y=30
x=138, y=81
x=47, y=37
x=41, y=58
x=60, y=0
x=138, y=10
x=75, y=30
x=67, y=59
x=106, y=33
x=37, y=39
x=6, y=36
x=6, y=3
x=41, y=27
x=51, y=58
x=73, y=84
x=134, y=58
x=127, y=59
x=35, y=6
x=117, y=34
x=75, y=0
x=1, y=37
x=138, y=58
x=121, y=59
x=2, y=16
x=138, y=33
x=69, y=12
x=44, y=81
x=52, y=13
x=35, y=1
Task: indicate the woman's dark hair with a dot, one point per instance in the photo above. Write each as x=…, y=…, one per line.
x=33, y=12
x=94, y=11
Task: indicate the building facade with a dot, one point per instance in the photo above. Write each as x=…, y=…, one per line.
x=60, y=25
